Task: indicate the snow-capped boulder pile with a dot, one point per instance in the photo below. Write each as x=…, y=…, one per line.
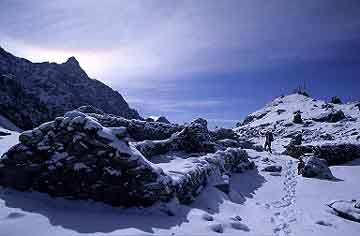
x=333, y=153
x=189, y=183
x=194, y=138
x=316, y=168
x=74, y=156
x=349, y=210
x=139, y=130
x=337, y=153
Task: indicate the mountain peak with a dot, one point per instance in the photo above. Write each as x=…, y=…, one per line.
x=72, y=61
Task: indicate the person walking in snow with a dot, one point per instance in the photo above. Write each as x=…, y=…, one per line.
x=269, y=137
x=301, y=166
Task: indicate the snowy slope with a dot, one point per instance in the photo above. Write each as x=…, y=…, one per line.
x=278, y=116
x=259, y=203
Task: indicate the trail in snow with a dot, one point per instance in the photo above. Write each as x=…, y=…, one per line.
x=285, y=213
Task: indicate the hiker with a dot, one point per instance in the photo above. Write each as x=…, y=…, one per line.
x=301, y=166
x=269, y=137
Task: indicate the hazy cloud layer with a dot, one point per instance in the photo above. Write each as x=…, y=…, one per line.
x=141, y=44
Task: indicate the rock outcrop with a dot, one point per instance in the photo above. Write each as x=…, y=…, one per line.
x=58, y=88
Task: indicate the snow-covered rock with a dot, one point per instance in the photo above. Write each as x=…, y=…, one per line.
x=346, y=210
x=74, y=156
x=139, y=130
x=315, y=167
x=193, y=138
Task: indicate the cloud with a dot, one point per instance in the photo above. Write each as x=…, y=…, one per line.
x=171, y=39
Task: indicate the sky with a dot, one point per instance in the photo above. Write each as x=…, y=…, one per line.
x=219, y=60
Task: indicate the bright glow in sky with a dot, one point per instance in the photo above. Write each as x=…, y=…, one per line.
x=188, y=58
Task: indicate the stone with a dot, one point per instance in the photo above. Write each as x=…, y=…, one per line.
x=297, y=118
x=332, y=116
x=315, y=167
x=336, y=100
x=272, y=168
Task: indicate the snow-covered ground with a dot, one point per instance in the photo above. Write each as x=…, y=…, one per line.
x=259, y=203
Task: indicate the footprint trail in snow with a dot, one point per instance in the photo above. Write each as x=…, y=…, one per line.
x=285, y=213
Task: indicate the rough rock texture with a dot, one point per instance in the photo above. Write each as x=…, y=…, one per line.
x=316, y=167
x=273, y=168
x=61, y=87
x=189, y=184
x=19, y=106
x=75, y=157
x=223, y=133
x=139, y=130
x=334, y=154
x=90, y=109
x=193, y=138
x=297, y=118
x=332, y=116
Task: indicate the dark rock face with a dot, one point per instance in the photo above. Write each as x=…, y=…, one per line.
x=74, y=156
x=358, y=106
x=316, y=167
x=59, y=88
x=332, y=117
x=18, y=105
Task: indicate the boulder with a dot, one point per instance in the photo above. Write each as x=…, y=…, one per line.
x=331, y=116
x=194, y=138
x=296, y=140
x=315, y=167
x=273, y=168
x=336, y=100
x=297, y=118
